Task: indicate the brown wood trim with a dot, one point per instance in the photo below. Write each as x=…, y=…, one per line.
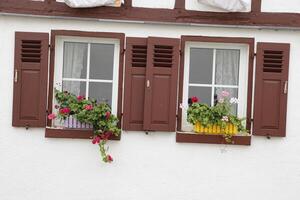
x=73, y=134
x=128, y=3
x=180, y=4
x=120, y=36
x=152, y=15
x=235, y=40
x=256, y=6
x=211, y=139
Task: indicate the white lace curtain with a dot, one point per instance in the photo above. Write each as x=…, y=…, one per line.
x=75, y=67
x=229, y=5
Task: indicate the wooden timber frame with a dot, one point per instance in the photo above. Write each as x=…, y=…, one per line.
x=178, y=15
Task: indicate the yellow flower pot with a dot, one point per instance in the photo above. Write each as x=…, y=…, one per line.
x=230, y=129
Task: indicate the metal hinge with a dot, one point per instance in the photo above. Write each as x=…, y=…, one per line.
x=180, y=52
x=27, y=126
x=51, y=47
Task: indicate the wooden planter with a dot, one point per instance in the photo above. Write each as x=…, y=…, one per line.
x=214, y=134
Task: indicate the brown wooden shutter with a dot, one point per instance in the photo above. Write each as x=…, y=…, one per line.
x=30, y=79
x=270, y=102
x=135, y=73
x=161, y=84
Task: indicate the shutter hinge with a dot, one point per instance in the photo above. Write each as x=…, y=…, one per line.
x=51, y=47
x=180, y=52
x=27, y=126
x=123, y=51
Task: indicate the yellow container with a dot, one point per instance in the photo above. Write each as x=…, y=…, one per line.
x=215, y=129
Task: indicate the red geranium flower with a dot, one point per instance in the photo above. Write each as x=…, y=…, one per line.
x=194, y=99
x=106, y=135
x=107, y=115
x=109, y=158
x=64, y=110
x=88, y=107
x=96, y=140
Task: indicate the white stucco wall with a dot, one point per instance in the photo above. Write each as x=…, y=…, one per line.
x=292, y=6
x=146, y=167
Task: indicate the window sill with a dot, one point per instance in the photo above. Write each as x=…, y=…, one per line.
x=187, y=137
x=73, y=133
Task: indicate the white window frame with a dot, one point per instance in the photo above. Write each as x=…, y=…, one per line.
x=58, y=69
x=242, y=83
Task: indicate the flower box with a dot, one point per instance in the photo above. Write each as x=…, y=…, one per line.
x=73, y=123
x=188, y=137
x=229, y=129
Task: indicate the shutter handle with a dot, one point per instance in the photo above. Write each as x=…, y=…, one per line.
x=16, y=76
x=285, y=87
x=148, y=84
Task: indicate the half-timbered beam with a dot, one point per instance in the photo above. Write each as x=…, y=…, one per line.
x=256, y=6
x=182, y=16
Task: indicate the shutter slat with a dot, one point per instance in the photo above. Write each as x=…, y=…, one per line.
x=270, y=103
x=30, y=81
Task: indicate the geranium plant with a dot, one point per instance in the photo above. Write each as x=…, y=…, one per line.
x=88, y=111
x=220, y=114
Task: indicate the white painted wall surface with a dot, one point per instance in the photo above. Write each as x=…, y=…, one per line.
x=292, y=6
x=195, y=5
x=146, y=167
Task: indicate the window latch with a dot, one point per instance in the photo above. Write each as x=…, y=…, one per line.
x=16, y=76
x=285, y=90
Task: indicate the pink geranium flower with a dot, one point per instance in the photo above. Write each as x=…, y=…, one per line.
x=89, y=107
x=80, y=98
x=225, y=93
x=51, y=116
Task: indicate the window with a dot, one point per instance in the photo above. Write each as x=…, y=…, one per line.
x=88, y=67
x=210, y=68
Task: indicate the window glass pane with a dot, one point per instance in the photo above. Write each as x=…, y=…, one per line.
x=233, y=93
x=101, y=91
x=203, y=94
x=75, y=60
x=201, y=65
x=227, y=66
x=75, y=87
x=102, y=61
